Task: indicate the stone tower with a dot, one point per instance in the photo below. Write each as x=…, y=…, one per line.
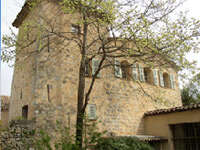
x=45, y=84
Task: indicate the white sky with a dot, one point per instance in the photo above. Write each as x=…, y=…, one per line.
x=9, y=10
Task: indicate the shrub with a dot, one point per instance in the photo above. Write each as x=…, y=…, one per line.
x=122, y=143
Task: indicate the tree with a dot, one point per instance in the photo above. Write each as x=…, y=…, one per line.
x=145, y=25
x=190, y=93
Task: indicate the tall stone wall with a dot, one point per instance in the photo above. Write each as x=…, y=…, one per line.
x=50, y=78
x=18, y=136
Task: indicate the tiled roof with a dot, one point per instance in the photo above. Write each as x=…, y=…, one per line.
x=171, y=110
x=149, y=138
x=146, y=138
x=5, y=103
x=22, y=14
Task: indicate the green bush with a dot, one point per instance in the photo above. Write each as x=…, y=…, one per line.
x=121, y=143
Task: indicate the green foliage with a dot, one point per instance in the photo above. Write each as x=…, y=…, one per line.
x=98, y=11
x=190, y=93
x=63, y=139
x=121, y=143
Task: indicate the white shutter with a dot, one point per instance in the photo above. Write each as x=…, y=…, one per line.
x=75, y=29
x=155, y=77
x=87, y=68
x=118, y=70
x=172, y=81
x=95, y=66
x=134, y=72
x=162, y=84
x=92, y=111
x=141, y=71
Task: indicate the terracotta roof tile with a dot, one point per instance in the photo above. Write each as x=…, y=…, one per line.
x=147, y=138
x=22, y=14
x=171, y=110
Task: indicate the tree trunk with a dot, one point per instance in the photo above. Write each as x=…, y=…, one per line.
x=81, y=90
x=80, y=113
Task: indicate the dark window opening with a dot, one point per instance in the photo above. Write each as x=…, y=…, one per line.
x=126, y=70
x=166, y=80
x=25, y=112
x=186, y=136
x=148, y=75
x=48, y=93
x=21, y=94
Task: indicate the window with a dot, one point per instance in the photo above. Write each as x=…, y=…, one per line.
x=25, y=112
x=75, y=29
x=126, y=70
x=118, y=71
x=21, y=94
x=148, y=75
x=134, y=72
x=172, y=81
x=186, y=136
x=92, y=112
x=95, y=66
x=48, y=92
x=141, y=74
x=166, y=80
x=88, y=68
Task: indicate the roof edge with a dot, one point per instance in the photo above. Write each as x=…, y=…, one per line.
x=172, y=110
x=22, y=14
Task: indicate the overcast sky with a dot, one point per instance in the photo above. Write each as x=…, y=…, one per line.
x=9, y=10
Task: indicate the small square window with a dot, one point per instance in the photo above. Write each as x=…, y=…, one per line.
x=75, y=29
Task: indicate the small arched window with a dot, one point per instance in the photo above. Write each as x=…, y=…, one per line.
x=148, y=75
x=126, y=70
x=166, y=80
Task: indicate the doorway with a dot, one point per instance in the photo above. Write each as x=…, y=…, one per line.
x=25, y=112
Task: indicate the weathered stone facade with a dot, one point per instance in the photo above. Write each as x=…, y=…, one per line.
x=47, y=83
x=18, y=136
x=5, y=100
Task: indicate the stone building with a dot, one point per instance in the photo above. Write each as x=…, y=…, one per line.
x=45, y=84
x=5, y=100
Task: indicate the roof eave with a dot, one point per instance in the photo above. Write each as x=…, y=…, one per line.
x=22, y=15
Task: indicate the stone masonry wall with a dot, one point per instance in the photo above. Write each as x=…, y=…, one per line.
x=50, y=78
x=19, y=136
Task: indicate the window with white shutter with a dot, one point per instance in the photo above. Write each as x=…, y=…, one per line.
x=118, y=70
x=172, y=82
x=155, y=77
x=92, y=112
x=87, y=68
x=134, y=72
x=75, y=29
x=148, y=75
x=141, y=72
x=166, y=78
x=95, y=66
x=161, y=79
